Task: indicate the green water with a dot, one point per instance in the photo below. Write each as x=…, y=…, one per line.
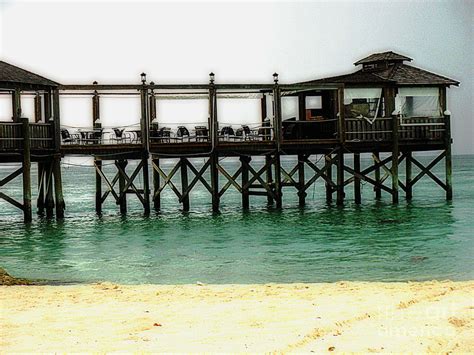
x=425, y=239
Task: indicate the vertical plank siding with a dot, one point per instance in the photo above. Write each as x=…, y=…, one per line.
x=410, y=129
x=11, y=136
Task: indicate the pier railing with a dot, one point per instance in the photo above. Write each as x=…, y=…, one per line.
x=381, y=130
x=11, y=135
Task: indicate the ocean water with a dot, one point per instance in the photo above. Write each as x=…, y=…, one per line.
x=424, y=239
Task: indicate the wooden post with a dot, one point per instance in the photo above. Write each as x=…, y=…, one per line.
x=340, y=177
x=214, y=181
x=302, y=107
x=47, y=105
x=341, y=119
x=357, y=194
x=448, y=156
x=123, y=194
x=56, y=167
x=278, y=190
x=269, y=177
x=378, y=191
x=263, y=108
x=184, y=183
x=40, y=201
x=58, y=188
x=156, y=185
x=98, y=187
x=408, y=178
x=301, y=181
x=146, y=185
x=245, y=179
x=26, y=171
x=328, y=166
x=38, y=109
x=49, y=190
x=16, y=105
x=395, y=153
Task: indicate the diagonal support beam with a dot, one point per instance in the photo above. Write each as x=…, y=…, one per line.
x=10, y=177
x=231, y=180
x=427, y=171
x=167, y=179
x=110, y=186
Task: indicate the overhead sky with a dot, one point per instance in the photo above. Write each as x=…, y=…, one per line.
x=178, y=42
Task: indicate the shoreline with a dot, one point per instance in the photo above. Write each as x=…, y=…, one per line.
x=299, y=317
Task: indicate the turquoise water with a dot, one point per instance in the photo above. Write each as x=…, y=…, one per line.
x=427, y=238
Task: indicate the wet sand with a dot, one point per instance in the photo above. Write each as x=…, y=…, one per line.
x=344, y=316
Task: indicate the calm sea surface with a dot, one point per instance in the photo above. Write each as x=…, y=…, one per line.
x=427, y=238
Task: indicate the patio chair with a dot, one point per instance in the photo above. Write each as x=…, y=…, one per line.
x=182, y=133
x=69, y=138
x=164, y=135
x=121, y=135
x=202, y=133
x=227, y=133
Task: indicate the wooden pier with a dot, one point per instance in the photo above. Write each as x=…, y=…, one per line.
x=331, y=129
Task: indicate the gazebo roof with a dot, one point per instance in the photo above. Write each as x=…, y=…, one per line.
x=382, y=57
x=12, y=76
x=394, y=73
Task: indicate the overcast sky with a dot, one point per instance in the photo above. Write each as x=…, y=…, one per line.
x=179, y=42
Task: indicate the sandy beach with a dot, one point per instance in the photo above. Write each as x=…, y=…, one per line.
x=345, y=316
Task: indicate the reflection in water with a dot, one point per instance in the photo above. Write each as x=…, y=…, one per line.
x=428, y=238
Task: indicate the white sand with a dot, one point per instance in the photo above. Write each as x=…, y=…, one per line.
x=344, y=316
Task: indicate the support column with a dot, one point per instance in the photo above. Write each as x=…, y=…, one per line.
x=214, y=182
x=58, y=188
x=245, y=180
x=123, y=194
x=378, y=191
x=98, y=187
x=26, y=171
x=156, y=186
x=395, y=153
x=278, y=192
x=448, y=155
x=340, y=177
x=40, y=203
x=56, y=163
x=184, y=183
x=49, y=190
x=328, y=166
x=357, y=194
x=269, y=177
x=146, y=186
x=301, y=181
x=408, y=185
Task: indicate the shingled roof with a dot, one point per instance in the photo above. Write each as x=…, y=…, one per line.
x=384, y=56
x=12, y=76
x=395, y=72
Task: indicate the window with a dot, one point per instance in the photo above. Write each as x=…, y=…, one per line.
x=363, y=103
x=418, y=102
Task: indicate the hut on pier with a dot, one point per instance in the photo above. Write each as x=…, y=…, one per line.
x=389, y=101
x=386, y=84
x=23, y=141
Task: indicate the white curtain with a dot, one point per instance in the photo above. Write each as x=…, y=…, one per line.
x=418, y=102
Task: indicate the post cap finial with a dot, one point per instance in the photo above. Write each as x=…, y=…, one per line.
x=212, y=76
x=447, y=113
x=143, y=78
